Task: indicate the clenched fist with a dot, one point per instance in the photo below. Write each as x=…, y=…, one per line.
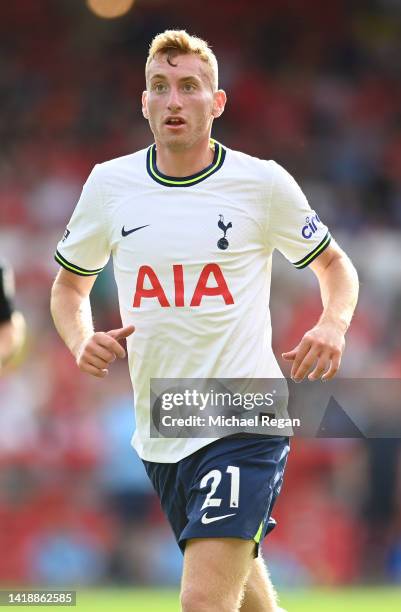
x=100, y=350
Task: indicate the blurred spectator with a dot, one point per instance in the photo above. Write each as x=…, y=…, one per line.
x=66, y=556
x=380, y=511
x=12, y=323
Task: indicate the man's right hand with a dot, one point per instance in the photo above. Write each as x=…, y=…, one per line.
x=100, y=350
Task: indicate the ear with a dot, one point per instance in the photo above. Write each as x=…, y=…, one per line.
x=219, y=103
x=145, y=104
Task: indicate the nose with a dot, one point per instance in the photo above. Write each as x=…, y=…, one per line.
x=174, y=100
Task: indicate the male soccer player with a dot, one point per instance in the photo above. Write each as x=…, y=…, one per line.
x=12, y=323
x=192, y=226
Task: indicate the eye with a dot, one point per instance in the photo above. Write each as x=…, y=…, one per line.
x=188, y=87
x=159, y=87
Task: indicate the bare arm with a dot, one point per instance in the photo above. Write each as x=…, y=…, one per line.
x=339, y=285
x=72, y=316
x=71, y=309
x=323, y=345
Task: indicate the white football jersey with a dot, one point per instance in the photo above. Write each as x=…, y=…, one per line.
x=192, y=261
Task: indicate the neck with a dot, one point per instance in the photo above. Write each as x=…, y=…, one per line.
x=184, y=162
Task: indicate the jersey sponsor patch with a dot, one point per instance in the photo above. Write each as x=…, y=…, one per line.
x=148, y=276
x=311, y=226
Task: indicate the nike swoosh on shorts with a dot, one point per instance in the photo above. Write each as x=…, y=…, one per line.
x=205, y=520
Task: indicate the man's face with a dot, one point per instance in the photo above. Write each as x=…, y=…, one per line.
x=179, y=102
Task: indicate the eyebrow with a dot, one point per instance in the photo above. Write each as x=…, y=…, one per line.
x=192, y=77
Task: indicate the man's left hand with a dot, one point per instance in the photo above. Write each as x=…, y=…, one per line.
x=320, y=350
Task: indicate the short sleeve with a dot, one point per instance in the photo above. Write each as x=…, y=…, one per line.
x=294, y=228
x=84, y=248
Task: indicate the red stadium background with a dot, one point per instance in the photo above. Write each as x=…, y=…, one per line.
x=318, y=91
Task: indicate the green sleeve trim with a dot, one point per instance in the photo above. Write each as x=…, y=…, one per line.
x=73, y=268
x=305, y=261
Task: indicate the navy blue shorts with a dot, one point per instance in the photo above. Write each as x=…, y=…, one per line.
x=226, y=489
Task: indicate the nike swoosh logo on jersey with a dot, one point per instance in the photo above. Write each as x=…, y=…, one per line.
x=125, y=232
x=205, y=520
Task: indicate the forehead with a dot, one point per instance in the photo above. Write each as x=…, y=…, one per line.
x=184, y=66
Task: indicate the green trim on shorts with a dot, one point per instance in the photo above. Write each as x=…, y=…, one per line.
x=258, y=533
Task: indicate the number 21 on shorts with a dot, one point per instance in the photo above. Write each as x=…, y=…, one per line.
x=215, y=476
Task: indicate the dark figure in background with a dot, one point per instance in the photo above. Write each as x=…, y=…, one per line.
x=12, y=323
x=381, y=506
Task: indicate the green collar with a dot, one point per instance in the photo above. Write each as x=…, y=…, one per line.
x=184, y=181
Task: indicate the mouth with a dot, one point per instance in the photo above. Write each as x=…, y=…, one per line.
x=174, y=122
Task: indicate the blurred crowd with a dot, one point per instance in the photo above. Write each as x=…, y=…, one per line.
x=319, y=92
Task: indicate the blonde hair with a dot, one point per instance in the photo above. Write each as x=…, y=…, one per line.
x=176, y=42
